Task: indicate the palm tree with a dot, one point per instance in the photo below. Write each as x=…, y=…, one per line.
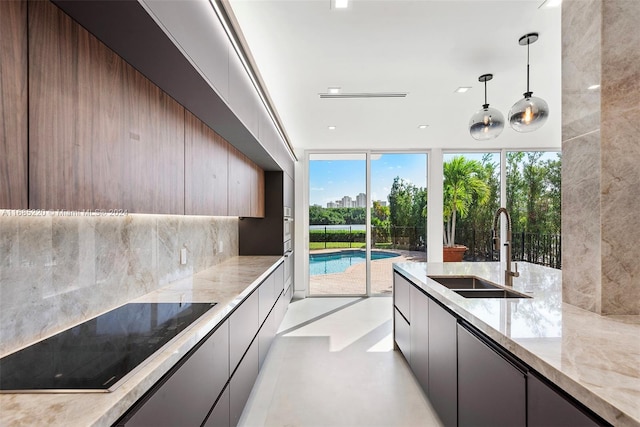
x=461, y=183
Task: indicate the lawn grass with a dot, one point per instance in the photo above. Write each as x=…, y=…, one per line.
x=342, y=245
x=335, y=245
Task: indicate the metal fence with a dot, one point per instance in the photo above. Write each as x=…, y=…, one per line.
x=408, y=238
x=543, y=249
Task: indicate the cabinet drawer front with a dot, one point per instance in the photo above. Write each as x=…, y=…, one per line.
x=243, y=326
x=420, y=337
x=267, y=297
x=402, y=295
x=186, y=397
x=443, y=372
x=219, y=416
x=242, y=382
x=548, y=408
x=279, y=277
x=485, y=378
x=402, y=334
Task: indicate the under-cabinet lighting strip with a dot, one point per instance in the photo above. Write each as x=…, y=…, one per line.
x=223, y=16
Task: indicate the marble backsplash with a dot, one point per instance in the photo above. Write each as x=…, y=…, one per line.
x=57, y=270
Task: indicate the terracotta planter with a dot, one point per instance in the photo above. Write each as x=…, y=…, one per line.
x=453, y=253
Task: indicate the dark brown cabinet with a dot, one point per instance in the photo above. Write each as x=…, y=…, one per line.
x=187, y=396
x=206, y=177
x=219, y=416
x=13, y=108
x=100, y=134
x=242, y=382
x=246, y=186
x=223, y=369
x=491, y=387
x=243, y=326
x=266, y=236
x=443, y=372
x=94, y=133
x=419, y=337
x=402, y=334
x=547, y=407
x=470, y=379
x=402, y=295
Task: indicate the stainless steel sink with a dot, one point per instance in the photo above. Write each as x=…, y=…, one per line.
x=489, y=293
x=464, y=282
x=475, y=287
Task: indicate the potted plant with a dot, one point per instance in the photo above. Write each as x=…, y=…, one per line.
x=462, y=185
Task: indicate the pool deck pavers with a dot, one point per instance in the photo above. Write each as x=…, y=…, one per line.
x=352, y=281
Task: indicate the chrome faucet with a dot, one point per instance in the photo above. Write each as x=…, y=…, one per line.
x=508, y=274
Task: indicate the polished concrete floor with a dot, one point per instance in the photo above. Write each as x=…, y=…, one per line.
x=333, y=364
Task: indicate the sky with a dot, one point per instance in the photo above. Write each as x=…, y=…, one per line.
x=331, y=179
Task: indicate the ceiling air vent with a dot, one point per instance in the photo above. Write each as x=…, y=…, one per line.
x=363, y=95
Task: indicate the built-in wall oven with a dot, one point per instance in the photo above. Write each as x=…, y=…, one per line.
x=288, y=224
x=288, y=251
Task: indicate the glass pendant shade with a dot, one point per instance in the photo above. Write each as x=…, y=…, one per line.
x=528, y=114
x=486, y=123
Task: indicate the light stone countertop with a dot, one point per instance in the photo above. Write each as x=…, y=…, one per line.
x=594, y=358
x=227, y=284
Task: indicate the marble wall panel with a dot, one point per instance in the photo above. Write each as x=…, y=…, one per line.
x=581, y=221
x=620, y=158
x=600, y=166
x=57, y=270
x=581, y=51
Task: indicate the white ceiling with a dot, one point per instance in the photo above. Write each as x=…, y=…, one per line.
x=425, y=48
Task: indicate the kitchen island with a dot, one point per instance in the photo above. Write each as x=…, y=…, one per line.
x=228, y=284
x=594, y=359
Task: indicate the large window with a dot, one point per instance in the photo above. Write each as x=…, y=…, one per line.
x=471, y=196
x=533, y=201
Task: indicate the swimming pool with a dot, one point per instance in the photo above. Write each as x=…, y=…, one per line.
x=338, y=262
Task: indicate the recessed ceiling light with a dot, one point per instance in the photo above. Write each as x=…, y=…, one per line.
x=332, y=128
x=423, y=126
x=462, y=89
x=593, y=87
x=333, y=90
x=550, y=3
x=340, y=4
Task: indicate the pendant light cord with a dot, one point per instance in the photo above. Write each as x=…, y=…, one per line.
x=485, y=93
x=528, y=43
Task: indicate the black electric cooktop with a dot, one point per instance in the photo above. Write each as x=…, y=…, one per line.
x=97, y=354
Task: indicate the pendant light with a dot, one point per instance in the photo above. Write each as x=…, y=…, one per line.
x=530, y=113
x=488, y=122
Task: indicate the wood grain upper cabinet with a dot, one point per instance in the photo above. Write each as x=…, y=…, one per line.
x=100, y=134
x=13, y=108
x=206, y=169
x=257, y=191
x=246, y=186
x=239, y=189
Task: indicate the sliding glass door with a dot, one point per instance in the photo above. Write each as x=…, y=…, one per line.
x=337, y=224
x=354, y=238
x=398, y=214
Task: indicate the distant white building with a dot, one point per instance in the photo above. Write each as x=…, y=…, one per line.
x=332, y=205
x=361, y=200
x=347, y=202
